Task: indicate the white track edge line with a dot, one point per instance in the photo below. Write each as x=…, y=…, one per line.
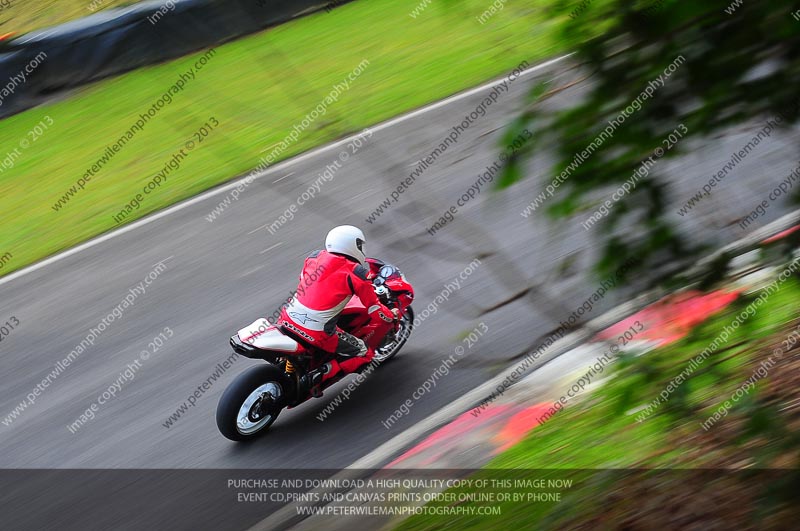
x=280, y=166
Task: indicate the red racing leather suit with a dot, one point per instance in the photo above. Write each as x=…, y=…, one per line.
x=327, y=283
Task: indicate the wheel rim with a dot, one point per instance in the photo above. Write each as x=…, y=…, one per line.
x=250, y=418
x=390, y=349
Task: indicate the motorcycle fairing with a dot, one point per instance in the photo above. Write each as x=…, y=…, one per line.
x=264, y=336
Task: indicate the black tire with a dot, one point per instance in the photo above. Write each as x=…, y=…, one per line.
x=240, y=389
x=408, y=322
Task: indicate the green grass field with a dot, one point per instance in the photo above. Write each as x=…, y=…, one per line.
x=257, y=88
x=22, y=16
x=601, y=432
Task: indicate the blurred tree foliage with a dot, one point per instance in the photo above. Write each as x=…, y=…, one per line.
x=738, y=67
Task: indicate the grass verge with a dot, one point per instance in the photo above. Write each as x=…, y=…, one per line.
x=258, y=89
x=22, y=16
x=609, y=456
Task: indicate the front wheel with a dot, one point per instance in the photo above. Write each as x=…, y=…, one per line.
x=390, y=350
x=251, y=403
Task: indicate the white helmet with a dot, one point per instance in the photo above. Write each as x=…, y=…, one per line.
x=346, y=240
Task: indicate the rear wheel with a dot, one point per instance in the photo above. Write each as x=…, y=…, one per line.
x=390, y=350
x=251, y=403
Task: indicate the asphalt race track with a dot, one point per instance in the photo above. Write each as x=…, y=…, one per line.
x=221, y=275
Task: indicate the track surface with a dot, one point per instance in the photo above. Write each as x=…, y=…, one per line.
x=221, y=275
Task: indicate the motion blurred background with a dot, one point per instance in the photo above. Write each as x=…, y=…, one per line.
x=651, y=142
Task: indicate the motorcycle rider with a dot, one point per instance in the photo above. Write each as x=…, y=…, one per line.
x=311, y=316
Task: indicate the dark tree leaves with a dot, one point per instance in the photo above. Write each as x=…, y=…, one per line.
x=736, y=67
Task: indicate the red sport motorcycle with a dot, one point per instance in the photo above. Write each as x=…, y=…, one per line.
x=252, y=402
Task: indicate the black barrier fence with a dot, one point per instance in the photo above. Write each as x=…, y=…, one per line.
x=35, y=66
